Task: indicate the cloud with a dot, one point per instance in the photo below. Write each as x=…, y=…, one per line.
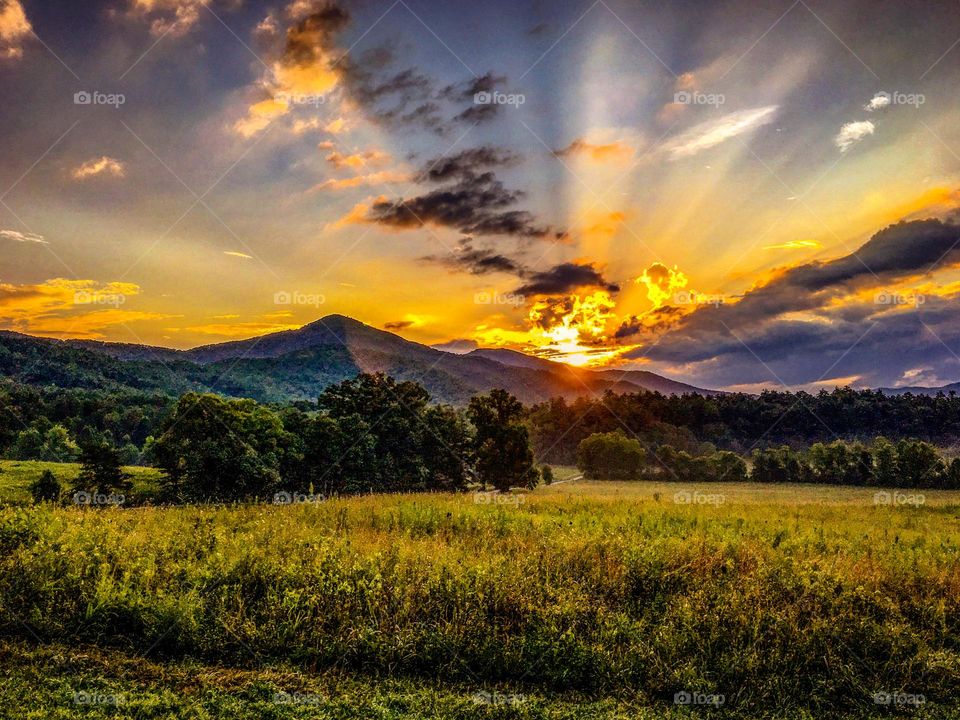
x=169, y=17
x=467, y=164
x=878, y=102
x=794, y=245
x=460, y=346
x=662, y=283
x=384, y=177
x=358, y=160
x=397, y=324
x=807, y=317
x=477, y=261
x=68, y=308
x=714, y=132
x=617, y=151
x=14, y=29
x=852, y=133
x=470, y=201
x=466, y=92
x=20, y=237
x=100, y=166
x=242, y=256
x=564, y=278
x=306, y=66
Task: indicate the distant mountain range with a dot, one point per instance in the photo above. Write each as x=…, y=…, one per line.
x=299, y=364
x=918, y=390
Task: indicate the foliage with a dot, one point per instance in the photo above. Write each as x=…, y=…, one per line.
x=501, y=443
x=611, y=456
x=45, y=488
x=213, y=449
x=101, y=468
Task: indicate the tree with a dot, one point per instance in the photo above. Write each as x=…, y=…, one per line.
x=100, y=470
x=45, y=488
x=546, y=473
x=213, y=449
x=501, y=445
x=610, y=456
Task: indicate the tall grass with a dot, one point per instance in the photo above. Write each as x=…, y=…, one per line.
x=816, y=602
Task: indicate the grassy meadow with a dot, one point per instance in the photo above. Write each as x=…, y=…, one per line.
x=576, y=600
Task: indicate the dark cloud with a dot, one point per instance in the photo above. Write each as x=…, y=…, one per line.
x=467, y=164
x=477, y=261
x=466, y=94
x=564, y=278
x=475, y=203
x=760, y=338
x=397, y=324
x=389, y=96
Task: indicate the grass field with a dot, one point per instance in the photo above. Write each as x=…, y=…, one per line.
x=577, y=600
x=16, y=476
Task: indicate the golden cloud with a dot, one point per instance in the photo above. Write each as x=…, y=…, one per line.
x=14, y=29
x=100, y=166
x=68, y=308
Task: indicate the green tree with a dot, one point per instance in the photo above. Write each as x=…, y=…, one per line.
x=213, y=449
x=101, y=469
x=58, y=446
x=501, y=445
x=45, y=488
x=610, y=456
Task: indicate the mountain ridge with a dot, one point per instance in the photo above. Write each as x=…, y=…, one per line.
x=298, y=364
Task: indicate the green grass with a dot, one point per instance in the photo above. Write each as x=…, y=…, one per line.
x=591, y=600
x=16, y=476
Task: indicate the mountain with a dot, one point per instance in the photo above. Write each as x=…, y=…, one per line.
x=918, y=390
x=299, y=364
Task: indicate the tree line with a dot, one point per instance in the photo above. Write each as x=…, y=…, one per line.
x=907, y=463
x=740, y=422
x=370, y=434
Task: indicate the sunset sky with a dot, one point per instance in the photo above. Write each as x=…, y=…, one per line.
x=708, y=190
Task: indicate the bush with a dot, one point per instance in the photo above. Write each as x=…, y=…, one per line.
x=45, y=488
x=610, y=456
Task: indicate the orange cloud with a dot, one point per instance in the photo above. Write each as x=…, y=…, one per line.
x=68, y=308
x=14, y=29
x=100, y=166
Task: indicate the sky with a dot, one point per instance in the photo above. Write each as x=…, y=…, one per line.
x=739, y=195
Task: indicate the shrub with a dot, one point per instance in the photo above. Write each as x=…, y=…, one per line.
x=610, y=456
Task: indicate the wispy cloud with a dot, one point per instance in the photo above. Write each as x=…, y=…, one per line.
x=22, y=237
x=713, y=132
x=242, y=256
